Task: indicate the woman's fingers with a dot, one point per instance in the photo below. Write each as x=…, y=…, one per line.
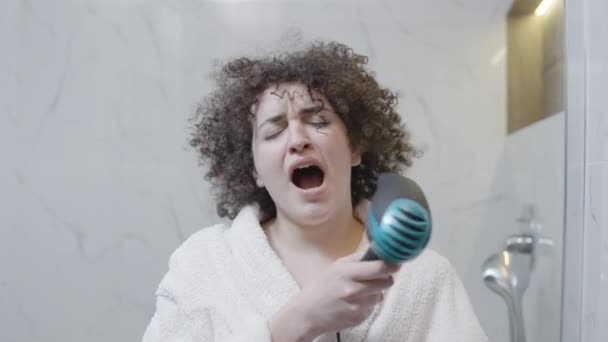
x=364, y=289
x=370, y=270
x=377, y=286
x=367, y=301
x=373, y=299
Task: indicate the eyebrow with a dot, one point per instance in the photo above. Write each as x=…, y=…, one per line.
x=309, y=109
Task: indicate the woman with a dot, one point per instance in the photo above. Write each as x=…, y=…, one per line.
x=293, y=146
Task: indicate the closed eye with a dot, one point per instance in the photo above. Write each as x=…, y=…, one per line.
x=318, y=120
x=273, y=135
x=319, y=124
x=314, y=119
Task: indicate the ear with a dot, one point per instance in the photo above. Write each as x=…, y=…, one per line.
x=355, y=158
x=258, y=181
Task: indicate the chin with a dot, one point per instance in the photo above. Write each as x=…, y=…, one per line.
x=310, y=214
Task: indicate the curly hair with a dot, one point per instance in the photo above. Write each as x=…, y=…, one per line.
x=222, y=130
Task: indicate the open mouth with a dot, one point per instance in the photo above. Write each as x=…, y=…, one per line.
x=308, y=177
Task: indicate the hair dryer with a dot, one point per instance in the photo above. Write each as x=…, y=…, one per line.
x=398, y=220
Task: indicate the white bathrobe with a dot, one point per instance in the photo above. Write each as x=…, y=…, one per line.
x=225, y=282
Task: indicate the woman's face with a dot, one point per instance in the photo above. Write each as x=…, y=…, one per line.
x=301, y=153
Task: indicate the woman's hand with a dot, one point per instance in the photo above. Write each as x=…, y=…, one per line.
x=342, y=297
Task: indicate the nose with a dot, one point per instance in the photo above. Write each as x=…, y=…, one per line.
x=299, y=141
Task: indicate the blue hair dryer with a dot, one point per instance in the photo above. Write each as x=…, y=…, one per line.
x=398, y=220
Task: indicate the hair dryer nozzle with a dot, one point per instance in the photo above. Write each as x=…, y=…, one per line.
x=398, y=220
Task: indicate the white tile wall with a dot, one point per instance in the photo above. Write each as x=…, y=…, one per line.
x=595, y=268
x=530, y=171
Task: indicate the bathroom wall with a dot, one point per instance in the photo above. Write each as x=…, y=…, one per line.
x=595, y=242
x=585, y=296
x=553, y=70
x=99, y=186
x=535, y=62
x=529, y=173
